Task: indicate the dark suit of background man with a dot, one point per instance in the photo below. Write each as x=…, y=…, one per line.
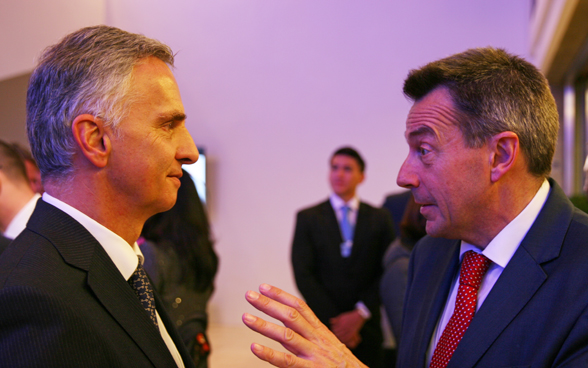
x=481, y=135
x=106, y=125
x=339, y=277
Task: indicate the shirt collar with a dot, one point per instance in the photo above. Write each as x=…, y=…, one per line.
x=19, y=221
x=337, y=202
x=123, y=255
x=501, y=249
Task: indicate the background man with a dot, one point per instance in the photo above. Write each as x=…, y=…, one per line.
x=31, y=167
x=337, y=259
x=106, y=125
x=512, y=290
x=17, y=199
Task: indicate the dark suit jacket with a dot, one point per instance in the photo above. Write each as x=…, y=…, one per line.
x=63, y=303
x=330, y=283
x=536, y=315
x=4, y=243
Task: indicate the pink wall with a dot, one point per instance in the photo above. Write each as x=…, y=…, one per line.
x=272, y=87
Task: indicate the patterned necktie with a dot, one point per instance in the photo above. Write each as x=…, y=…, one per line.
x=346, y=231
x=142, y=287
x=473, y=268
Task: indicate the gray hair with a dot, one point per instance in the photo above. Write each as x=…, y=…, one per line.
x=87, y=72
x=495, y=92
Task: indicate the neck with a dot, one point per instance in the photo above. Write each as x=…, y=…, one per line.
x=346, y=197
x=89, y=196
x=12, y=199
x=504, y=204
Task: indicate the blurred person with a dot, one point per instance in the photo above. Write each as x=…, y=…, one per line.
x=501, y=278
x=337, y=258
x=580, y=200
x=17, y=199
x=396, y=204
x=106, y=125
x=393, y=283
x=180, y=259
x=33, y=173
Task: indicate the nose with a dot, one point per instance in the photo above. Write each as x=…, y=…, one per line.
x=406, y=176
x=187, y=153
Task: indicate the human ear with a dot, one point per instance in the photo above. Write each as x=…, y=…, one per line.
x=504, y=151
x=92, y=139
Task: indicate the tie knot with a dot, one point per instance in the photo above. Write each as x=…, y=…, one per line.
x=473, y=268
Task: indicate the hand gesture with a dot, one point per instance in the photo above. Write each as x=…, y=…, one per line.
x=310, y=343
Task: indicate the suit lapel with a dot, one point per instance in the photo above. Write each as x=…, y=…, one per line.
x=331, y=228
x=519, y=281
x=81, y=250
x=361, y=229
x=115, y=294
x=446, y=263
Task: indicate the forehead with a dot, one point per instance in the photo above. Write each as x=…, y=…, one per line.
x=154, y=91
x=433, y=115
x=344, y=160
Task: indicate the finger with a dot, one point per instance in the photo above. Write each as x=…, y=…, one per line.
x=289, y=316
x=277, y=358
x=283, y=297
x=285, y=336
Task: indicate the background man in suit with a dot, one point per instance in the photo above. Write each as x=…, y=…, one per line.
x=481, y=135
x=106, y=125
x=17, y=198
x=337, y=259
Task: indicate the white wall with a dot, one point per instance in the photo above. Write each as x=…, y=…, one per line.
x=28, y=26
x=272, y=87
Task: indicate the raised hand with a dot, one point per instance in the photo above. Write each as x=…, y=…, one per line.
x=310, y=343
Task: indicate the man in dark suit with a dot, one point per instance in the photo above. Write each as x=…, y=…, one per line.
x=337, y=258
x=512, y=288
x=106, y=125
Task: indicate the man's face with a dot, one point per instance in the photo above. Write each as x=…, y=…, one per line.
x=344, y=176
x=151, y=143
x=449, y=179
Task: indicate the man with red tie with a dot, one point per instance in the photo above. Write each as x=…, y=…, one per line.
x=501, y=279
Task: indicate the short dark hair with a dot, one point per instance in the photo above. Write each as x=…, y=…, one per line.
x=493, y=92
x=348, y=151
x=12, y=164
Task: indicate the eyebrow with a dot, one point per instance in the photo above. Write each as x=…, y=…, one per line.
x=176, y=116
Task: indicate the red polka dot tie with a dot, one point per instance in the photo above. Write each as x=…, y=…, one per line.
x=473, y=268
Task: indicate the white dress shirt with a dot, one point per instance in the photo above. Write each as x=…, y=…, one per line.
x=19, y=222
x=125, y=257
x=500, y=250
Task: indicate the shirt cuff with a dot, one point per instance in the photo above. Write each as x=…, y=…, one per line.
x=363, y=311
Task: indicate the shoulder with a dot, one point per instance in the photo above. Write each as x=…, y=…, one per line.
x=315, y=209
x=375, y=214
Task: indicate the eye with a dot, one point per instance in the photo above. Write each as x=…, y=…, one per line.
x=168, y=126
x=423, y=151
